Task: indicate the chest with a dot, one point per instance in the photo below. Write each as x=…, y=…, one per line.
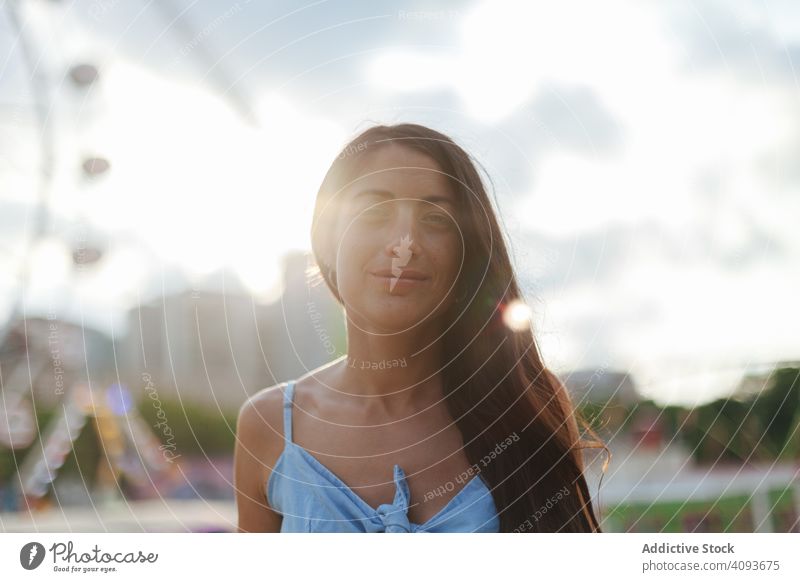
x=428, y=447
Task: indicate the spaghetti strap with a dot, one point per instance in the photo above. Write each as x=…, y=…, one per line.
x=288, y=395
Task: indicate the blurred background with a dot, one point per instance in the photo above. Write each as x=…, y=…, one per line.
x=158, y=166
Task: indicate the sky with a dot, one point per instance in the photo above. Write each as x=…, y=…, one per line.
x=643, y=157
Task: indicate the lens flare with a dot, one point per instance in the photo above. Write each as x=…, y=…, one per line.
x=517, y=315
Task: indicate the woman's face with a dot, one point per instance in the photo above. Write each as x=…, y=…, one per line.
x=398, y=246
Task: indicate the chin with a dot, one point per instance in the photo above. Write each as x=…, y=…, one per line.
x=395, y=313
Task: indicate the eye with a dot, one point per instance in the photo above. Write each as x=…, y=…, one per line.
x=438, y=218
x=376, y=211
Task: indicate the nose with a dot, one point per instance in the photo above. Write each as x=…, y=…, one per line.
x=403, y=234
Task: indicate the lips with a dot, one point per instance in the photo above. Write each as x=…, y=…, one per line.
x=409, y=274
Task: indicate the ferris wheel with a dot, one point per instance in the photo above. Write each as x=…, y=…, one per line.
x=128, y=443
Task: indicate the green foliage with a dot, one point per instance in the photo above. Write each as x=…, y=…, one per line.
x=10, y=460
x=779, y=412
x=726, y=514
x=195, y=429
x=606, y=419
x=763, y=427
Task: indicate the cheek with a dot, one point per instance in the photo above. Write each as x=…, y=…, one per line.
x=351, y=258
x=447, y=260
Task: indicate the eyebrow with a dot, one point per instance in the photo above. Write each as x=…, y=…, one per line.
x=386, y=193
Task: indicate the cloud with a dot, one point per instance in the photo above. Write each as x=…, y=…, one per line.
x=757, y=41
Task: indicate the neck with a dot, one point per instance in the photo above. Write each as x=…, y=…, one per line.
x=395, y=372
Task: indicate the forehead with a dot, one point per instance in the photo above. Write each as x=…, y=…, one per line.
x=401, y=171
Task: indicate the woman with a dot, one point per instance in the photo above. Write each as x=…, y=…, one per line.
x=441, y=417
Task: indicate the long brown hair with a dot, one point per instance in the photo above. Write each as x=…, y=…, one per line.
x=520, y=429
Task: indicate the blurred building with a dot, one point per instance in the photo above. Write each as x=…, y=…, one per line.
x=601, y=386
x=217, y=348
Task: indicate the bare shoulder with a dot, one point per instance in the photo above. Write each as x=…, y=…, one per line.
x=261, y=416
x=260, y=420
x=259, y=442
